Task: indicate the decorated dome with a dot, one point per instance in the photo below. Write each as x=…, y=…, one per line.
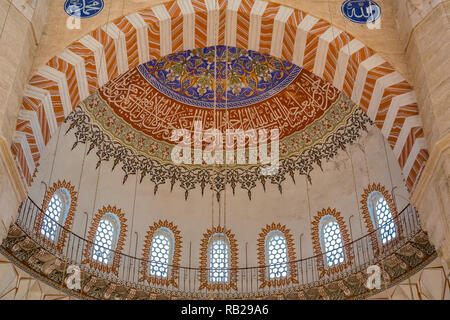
x=215, y=150
x=132, y=118
x=219, y=77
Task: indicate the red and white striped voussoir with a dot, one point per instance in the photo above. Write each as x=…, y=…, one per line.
x=295, y=36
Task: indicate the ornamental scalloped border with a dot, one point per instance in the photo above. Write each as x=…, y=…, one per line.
x=174, y=268
x=102, y=115
x=261, y=251
x=114, y=266
x=368, y=219
x=191, y=178
x=59, y=244
x=203, y=261
x=318, y=248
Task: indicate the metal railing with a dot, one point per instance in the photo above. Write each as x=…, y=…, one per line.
x=308, y=272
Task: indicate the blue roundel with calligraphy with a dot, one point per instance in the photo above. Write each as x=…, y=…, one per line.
x=83, y=8
x=361, y=11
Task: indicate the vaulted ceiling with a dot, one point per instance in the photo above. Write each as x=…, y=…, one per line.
x=124, y=48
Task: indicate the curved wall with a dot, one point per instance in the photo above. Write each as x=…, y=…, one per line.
x=389, y=48
x=340, y=184
x=313, y=44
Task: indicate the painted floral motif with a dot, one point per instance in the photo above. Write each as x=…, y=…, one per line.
x=220, y=76
x=130, y=122
x=132, y=162
x=101, y=113
x=412, y=256
x=131, y=102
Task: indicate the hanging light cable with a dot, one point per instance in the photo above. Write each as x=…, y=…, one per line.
x=226, y=146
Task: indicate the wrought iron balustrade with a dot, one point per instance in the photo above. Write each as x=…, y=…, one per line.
x=307, y=272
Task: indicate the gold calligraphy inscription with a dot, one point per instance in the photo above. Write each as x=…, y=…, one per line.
x=147, y=110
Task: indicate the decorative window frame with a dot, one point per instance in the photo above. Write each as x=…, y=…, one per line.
x=174, y=269
x=324, y=221
x=204, y=259
x=113, y=265
x=369, y=220
x=111, y=219
x=216, y=238
x=322, y=266
x=59, y=243
x=292, y=277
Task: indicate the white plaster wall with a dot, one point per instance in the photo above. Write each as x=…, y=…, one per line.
x=339, y=186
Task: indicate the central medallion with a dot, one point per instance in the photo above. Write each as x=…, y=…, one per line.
x=219, y=76
x=131, y=119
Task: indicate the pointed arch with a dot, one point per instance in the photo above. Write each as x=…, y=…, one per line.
x=296, y=36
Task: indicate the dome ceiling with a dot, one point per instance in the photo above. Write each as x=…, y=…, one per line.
x=219, y=77
x=115, y=50
x=130, y=120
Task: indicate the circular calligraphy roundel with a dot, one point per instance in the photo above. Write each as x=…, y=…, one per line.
x=361, y=11
x=83, y=8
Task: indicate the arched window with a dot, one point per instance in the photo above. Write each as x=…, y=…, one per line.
x=161, y=252
x=55, y=213
x=276, y=251
x=219, y=258
x=331, y=241
x=106, y=237
x=381, y=216
x=276, y=255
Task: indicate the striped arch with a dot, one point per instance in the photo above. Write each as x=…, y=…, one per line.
x=291, y=34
